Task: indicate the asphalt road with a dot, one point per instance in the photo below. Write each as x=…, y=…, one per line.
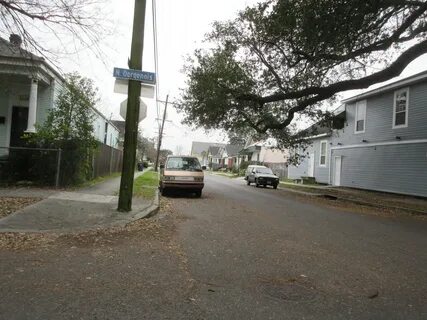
x=260, y=253
x=239, y=252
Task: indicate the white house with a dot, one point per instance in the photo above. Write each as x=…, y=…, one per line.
x=29, y=87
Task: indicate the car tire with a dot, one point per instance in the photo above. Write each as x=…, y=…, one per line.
x=248, y=182
x=163, y=192
x=198, y=193
x=275, y=186
x=256, y=183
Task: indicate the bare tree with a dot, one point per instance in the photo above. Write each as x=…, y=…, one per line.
x=178, y=150
x=73, y=23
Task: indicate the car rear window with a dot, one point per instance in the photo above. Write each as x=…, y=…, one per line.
x=183, y=163
x=264, y=170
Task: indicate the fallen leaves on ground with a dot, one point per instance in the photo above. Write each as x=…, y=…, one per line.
x=9, y=205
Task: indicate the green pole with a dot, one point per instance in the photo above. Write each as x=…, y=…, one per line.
x=132, y=113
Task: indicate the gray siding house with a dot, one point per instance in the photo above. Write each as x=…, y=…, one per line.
x=382, y=146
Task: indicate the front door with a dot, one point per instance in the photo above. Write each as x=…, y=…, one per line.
x=310, y=171
x=19, y=125
x=337, y=171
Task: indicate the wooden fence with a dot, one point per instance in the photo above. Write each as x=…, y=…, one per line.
x=106, y=161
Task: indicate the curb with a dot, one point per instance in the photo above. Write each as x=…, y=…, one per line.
x=152, y=210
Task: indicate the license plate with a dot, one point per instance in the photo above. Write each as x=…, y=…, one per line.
x=185, y=178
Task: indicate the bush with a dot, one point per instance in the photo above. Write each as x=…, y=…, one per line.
x=244, y=165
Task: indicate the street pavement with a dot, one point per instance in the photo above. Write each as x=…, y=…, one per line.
x=239, y=252
x=267, y=255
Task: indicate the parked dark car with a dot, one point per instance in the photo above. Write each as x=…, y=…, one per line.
x=261, y=176
x=140, y=166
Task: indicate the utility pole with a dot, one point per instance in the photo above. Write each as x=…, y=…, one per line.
x=159, y=145
x=131, y=126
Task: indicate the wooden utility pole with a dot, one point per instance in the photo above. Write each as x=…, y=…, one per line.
x=131, y=126
x=159, y=145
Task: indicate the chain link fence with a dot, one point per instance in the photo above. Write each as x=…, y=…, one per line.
x=30, y=166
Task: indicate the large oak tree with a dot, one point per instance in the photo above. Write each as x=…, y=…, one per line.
x=283, y=58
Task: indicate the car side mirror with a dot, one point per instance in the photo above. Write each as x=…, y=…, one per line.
x=162, y=166
x=203, y=167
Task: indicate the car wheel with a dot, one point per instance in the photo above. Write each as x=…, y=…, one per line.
x=275, y=186
x=256, y=183
x=164, y=192
x=198, y=193
x=248, y=182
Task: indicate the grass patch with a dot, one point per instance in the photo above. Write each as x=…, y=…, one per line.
x=225, y=174
x=145, y=186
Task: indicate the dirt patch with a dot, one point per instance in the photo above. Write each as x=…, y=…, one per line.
x=9, y=205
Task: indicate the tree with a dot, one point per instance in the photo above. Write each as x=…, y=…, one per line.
x=178, y=150
x=146, y=147
x=164, y=153
x=69, y=126
x=286, y=58
x=82, y=20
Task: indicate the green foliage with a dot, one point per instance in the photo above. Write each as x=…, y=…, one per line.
x=69, y=126
x=281, y=60
x=244, y=165
x=145, y=185
x=146, y=147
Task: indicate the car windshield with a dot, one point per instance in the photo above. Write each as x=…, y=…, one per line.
x=183, y=163
x=264, y=170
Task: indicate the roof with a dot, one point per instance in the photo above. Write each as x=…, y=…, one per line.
x=233, y=149
x=199, y=147
x=391, y=86
x=213, y=150
x=10, y=51
x=120, y=124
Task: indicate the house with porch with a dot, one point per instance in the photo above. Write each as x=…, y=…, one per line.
x=264, y=153
x=200, y=150
x=382, y=144
x=29, y=87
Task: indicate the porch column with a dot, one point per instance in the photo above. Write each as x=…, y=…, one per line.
x=32, y=108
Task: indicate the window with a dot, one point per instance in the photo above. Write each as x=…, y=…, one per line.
x=183, y=163
x=400, y=110
x=323, y=151
x=360, y=117
x=105, y=133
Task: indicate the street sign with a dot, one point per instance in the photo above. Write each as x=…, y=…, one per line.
x=137, y=75
x=142, y=109
x=121, y=86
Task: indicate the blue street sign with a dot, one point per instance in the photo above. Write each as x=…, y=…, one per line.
x=137, y=75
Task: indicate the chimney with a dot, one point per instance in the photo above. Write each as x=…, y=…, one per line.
x=15, y=40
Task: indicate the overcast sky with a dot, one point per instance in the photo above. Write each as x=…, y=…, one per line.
x=181, y=28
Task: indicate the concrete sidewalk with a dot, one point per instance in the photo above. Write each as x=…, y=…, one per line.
x=88, y=208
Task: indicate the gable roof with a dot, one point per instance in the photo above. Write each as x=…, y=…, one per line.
x=233, y=149
x=199, y=147
x=421, y=76
x=214, y=151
